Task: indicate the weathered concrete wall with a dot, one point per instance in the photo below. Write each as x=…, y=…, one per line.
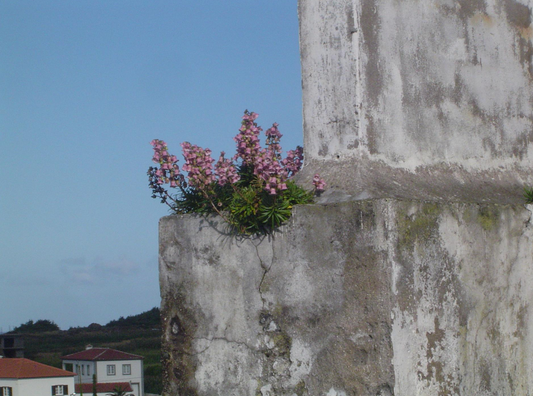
x=375, y=297
x=431, y=99
x=414, y=274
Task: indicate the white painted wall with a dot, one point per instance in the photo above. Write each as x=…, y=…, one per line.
x=84, y=370
x=100, y=368
x=12, y=383
x=136, y=376
x=37, y=386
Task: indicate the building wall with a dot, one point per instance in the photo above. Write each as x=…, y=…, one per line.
x=12, y=383
x=136, y=376
x=100, y=369
x=37, y=386
x=373, y=298
x=84, y=375
x=12, y=345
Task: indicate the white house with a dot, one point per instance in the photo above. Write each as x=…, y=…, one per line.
x=24, y=377
x=112, y=369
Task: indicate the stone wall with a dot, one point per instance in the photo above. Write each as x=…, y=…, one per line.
x=418, y=99
x=375, y=297
x=413, y=274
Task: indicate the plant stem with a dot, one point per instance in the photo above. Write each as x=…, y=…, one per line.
x=207, y=196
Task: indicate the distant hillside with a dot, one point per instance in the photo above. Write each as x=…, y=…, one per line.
x=146, y=319
x=39, y=326
x=137, y=334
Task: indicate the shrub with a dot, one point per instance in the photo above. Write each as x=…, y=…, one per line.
x=252, y=191
x=39, y=326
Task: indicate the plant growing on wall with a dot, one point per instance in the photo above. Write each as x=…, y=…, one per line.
x=528, y=194
x=252, y=191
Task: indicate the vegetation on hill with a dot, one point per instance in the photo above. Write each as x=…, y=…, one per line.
x=146, y=319
x=39, y=326
x=137, y=334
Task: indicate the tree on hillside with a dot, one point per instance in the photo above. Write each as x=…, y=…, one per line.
x=146, y=319
x=39, y=326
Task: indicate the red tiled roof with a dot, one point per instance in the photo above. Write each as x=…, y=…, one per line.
x=103, y=387
x=101, y=354
x=25, y=368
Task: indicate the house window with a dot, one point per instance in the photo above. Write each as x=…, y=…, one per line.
x=82, y=369
x=6, y=391
x=110, y=369
x=88, y=370
x=126, y=369
x=59, y=390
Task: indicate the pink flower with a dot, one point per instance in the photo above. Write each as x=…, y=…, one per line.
x=268, y=170
x=247, y=139
x=294, y=161
x=198, y=164
x=225, y=171
x=168, y=171
x=319, y=183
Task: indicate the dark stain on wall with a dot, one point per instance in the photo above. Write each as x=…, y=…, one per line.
x=372, y=135
x=370, y=26
x=467, y=8
x=178, y=361
x=519, y=17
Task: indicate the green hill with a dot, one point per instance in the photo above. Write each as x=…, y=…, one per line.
x=137, y=334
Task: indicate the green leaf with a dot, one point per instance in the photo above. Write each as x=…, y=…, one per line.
x=528, y=194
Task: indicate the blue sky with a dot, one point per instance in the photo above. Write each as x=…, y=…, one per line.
x=85, y=85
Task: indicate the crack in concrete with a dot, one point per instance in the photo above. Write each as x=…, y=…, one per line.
x=265, y=270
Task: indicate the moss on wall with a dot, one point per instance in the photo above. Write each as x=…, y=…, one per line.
x=488, y=217
x=417, y=224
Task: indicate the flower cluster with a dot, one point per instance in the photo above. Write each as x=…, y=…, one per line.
x=268, y=169
x=169, y=171
x=294, y=161
x=225, y=171
x=198, y=164
x=273, y=137
x=319, y=183
x=248, y=146
x=251, y=191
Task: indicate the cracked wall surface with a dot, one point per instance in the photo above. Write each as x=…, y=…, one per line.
x=375, y=297
x=418, y=99
x=412, y=275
